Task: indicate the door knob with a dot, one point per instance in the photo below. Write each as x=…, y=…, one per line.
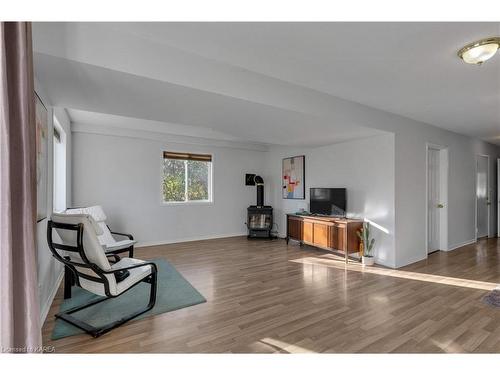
x=440, y=205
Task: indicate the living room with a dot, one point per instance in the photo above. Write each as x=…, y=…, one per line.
x=242, y=187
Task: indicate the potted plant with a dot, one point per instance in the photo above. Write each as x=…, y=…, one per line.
x=364, y=236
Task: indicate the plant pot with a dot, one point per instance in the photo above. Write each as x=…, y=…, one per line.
x=368, y=261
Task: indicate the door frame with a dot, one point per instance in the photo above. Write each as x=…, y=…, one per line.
x=443, y=191
x=498, y=197
x=488, y=198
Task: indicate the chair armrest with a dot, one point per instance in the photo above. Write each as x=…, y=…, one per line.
x=129, y=236
x=117, y=258
x=153, y=266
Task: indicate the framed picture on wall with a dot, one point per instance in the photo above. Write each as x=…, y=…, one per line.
x=293, y=174
x=42, y=160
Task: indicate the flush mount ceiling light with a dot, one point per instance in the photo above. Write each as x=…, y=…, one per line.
x=480, y=51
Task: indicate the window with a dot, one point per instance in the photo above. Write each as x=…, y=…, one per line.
x=59, y=160
x=186, y=177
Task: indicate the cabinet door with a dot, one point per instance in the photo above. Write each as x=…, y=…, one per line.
x=353, y=239
x=295, y=229
x=320, y=234
x=307, y=234
x=337, y=237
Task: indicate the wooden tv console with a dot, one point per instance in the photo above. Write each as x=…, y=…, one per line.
x=329, y=233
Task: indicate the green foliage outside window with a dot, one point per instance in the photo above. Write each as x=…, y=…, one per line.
x=174, y=180
x=197, y=180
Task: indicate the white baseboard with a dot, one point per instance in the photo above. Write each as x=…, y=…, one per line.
x=188, y=239
x=46, y=307
x=453, y=247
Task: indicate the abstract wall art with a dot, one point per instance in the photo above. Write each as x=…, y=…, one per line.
x=293, y=173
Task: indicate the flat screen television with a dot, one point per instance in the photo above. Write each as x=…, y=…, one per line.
x=328, y=201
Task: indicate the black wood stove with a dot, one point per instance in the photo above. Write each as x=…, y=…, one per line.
x=259, y=217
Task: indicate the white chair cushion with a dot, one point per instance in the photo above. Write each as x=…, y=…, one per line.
x=83, y=211
x=136, y=274
x=106, y=238
x=119, y=245
x=97, y=213
x=92, y=248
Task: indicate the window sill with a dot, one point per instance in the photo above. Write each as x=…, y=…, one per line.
x=188, y=203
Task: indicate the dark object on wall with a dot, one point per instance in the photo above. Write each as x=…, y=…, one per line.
x=249, y=179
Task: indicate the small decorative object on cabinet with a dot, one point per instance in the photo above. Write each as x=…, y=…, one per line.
x=366, y=245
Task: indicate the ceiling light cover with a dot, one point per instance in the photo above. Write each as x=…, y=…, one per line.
x=480, y=51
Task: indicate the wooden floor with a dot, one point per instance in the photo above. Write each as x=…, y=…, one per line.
x=265, y=297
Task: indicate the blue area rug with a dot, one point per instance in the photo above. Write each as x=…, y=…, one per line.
x=174, y=292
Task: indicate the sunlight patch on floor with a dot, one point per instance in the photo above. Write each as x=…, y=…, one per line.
x=448, y=347
x=289, y=348
x=452, y=281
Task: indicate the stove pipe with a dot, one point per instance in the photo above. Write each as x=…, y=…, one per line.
x=259, y=181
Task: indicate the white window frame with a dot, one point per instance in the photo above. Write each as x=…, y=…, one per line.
x=209, y=201
x=59, y=185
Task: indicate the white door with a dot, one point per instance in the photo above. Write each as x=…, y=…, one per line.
x=433, y=197
x=482, y=197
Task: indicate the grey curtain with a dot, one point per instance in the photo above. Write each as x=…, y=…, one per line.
x=19, y=306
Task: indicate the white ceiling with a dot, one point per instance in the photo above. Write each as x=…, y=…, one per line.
x=130, y=123
x=233, y=77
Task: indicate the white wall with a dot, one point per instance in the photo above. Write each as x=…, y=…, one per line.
x=122, y=173
x=63, y=167
x=411, y=189
x=50, y=271
x=365, y=167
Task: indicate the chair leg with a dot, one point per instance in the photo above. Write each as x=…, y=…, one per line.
x=98, y=331
x=131, y=251
x=153, y=280
x=69, y=281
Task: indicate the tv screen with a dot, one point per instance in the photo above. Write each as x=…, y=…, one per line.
x=328, y=201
